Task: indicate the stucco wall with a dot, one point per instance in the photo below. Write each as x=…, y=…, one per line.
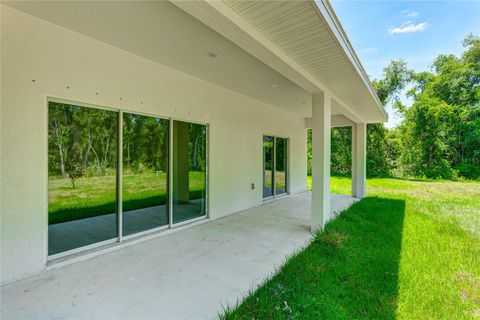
x=57, y=58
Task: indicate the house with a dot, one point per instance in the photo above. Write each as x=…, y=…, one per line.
x=122, y=120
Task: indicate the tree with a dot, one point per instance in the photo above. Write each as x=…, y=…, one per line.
x=380, y=153
x=395, y=78
x=73, y=165
x=424, y=134
x=440, y=132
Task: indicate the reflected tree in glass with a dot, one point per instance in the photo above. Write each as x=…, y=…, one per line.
x=82, y=155
x=145, y=173
x=267, y=166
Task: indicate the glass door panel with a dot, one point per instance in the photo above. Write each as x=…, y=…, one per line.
x=189, y=170
x=267, y=166
x=281, y=149
x=82, y=161
x=145, y=173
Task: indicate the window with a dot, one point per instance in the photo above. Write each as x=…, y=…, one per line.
x=82, y=161
x=103, y=186
x=267, y=166
x=275, y=166
x=145, y=173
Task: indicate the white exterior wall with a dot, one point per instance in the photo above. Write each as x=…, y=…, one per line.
x=55, y=58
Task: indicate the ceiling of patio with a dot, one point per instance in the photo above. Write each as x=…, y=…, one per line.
x=144, y=28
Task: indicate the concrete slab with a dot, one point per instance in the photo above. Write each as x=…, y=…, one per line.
x=189, y=274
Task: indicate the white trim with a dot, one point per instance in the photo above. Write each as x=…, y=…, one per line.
x=170, y=173
x=120, y=176
x=47, y=134
x=207, y=170
x=274, y=167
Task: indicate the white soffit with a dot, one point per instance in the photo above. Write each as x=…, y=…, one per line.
x=301, y=40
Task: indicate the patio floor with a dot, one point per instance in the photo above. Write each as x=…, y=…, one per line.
x=191, y=274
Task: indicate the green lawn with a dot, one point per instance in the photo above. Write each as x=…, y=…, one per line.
x=410, y=250
x=95, y=196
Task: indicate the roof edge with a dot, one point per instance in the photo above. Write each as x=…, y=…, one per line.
x=325, y=10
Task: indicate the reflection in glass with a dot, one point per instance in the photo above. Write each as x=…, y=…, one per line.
x=267, y=166
x=82, y=154
x=280, y=165
x=145, y=173
x=189, y=170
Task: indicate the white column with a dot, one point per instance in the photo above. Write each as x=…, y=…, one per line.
x=321, y=126
x=359, y=160
x=354, y=160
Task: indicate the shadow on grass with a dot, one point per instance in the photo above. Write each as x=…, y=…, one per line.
x=75, y=213
x=349, y=271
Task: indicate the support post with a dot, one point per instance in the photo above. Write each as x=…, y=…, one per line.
x=354, y=160
x=359, y=160
x=321, y=126
x=180, y=162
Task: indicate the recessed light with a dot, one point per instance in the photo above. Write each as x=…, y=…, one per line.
x=212, y=54
x=274, y=85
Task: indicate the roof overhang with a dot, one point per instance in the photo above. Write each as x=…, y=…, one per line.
x=303, y=41
x=277, y=52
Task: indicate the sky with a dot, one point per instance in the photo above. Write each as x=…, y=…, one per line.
x=416, y=31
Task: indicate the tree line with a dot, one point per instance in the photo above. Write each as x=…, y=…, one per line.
x=438, y=135
x=82, y=142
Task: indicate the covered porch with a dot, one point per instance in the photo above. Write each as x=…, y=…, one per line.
x=178, y=275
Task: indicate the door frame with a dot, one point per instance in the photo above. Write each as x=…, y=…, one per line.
x=274, y=162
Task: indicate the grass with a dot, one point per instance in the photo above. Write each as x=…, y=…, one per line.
x=410, y=250
x=95, y=196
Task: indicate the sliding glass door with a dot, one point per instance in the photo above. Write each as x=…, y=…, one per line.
x=109, y=179
x=275, y=166
x=82, y=161
x=145, y=173
x=268, y=166
x=189, y=170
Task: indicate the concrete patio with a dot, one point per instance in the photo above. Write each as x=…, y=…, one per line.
x=190, y=274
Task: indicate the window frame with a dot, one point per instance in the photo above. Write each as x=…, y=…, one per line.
x=274, y=169
x=121, y=239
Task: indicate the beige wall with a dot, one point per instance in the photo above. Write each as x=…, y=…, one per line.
x=57, y=58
